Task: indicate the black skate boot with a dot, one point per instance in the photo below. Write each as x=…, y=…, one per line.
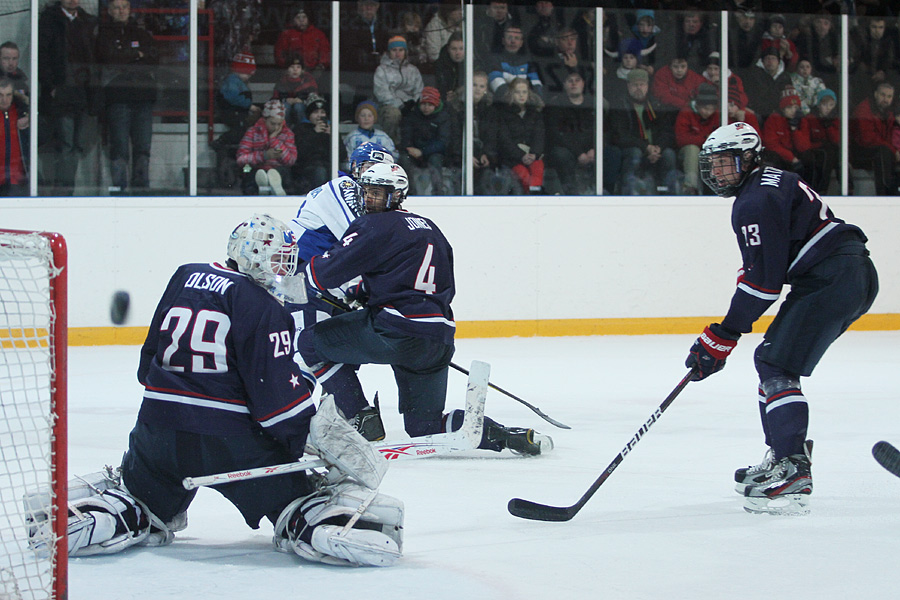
x=368, y=422
x=521, y=441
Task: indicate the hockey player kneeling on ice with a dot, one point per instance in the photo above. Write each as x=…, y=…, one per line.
x=222, y=393
x=405, y=265
x=786, y=234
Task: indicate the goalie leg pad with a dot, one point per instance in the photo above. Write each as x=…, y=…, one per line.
x=344, y=524
x=338, y=442
x=106, y=523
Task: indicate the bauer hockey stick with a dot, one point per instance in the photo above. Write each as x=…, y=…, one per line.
x=887, y=456
x=526, y=509
x=467, y=437
x=341, y=306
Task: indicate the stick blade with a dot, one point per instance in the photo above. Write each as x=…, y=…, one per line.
x=887, y=456
x=526, y=509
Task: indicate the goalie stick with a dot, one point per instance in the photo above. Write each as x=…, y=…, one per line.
x=341, y=306
x=887, y=456
x=467, y=437
x=526, y=509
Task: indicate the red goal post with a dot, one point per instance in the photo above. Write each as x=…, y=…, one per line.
x=33, y=439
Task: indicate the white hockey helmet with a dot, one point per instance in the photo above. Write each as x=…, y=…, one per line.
x=728, y=151
x=264, y=249
x=392, y=179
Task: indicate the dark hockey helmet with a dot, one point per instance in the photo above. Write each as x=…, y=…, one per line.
x=367, y=154
x=725, y=156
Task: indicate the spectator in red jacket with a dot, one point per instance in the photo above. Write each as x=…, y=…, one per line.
x=871, y=129
x=674, y=85
x=774, y=37
x=694, y=124
x=819, y=140
x=267, y=151
x=13, y=134
x=738, y=111
x=305, y=39
x=780, y=131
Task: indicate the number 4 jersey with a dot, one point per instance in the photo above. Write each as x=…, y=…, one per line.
x=218, y=360
x=406, y=265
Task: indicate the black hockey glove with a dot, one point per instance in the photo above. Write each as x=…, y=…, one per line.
x=709, y=352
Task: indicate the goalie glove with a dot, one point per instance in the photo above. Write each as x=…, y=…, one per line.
x=710, y=350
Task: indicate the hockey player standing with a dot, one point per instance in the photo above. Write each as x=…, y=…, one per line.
x=787, y=235
x=222, y=393
x=406, y=266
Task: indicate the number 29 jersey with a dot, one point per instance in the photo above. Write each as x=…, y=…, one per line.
x=218, y=360
x=406, y=265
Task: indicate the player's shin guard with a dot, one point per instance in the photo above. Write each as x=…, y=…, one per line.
x=787, y=415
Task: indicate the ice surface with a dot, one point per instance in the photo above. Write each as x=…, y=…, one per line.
x=667, y=523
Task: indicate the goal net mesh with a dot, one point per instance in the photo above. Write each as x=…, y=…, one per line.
x=27, y=417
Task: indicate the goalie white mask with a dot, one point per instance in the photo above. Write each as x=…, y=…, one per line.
x=264, y=249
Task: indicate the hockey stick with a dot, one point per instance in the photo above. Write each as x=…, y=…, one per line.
x=535, y=409
x=526, y=509
x=341, y=306
x=887, y=456
x=467, y=437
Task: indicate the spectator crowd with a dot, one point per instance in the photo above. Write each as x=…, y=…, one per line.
x=402, y=84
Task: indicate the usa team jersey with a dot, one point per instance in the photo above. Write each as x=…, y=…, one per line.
x=783, y=229
x=406, y=265
x=218, y=360
x=324, y=216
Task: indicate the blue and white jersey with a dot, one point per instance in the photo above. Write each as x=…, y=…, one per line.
x=324, y=216
x=406, y=265
x=783, y=229
x=218, y=360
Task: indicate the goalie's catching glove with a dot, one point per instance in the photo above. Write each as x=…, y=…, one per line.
x=708, y=354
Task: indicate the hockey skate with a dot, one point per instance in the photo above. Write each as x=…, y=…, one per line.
x=782, y=489
x=521, y=441
x=746, y=475
x=368, y=422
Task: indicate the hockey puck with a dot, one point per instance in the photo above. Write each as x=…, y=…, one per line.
x=118, y=309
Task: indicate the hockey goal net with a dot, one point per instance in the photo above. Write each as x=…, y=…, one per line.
x=32, y=415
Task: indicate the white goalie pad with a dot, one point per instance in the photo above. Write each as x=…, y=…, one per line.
x=346, y=524
x=338, y=442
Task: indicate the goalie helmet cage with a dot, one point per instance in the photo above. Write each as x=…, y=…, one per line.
x=33, y=441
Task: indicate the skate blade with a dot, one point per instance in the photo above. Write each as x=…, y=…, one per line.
x=785, y=504
x=544, y=441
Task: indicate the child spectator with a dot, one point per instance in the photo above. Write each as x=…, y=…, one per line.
x=398, y=84
x=234, y=96
x=445, y=22
x=645, y=31
x=365, y=116
x=450, y=67
x=693, y=125
x=411, y=30
x=674, y=85
x=294, y=87
x=267, y=151
x=807, y=85
x=314, y=136
x=774, y=37
x=629, y=56
x=520, y=136
x=302, y=38
x=484, y=131
x=819, y=140
x=738, y=111
x=780, y=132
x=424, y=139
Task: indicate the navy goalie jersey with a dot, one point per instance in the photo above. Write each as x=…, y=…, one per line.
x=406, y=266
x=218, y=360
x=783, y=229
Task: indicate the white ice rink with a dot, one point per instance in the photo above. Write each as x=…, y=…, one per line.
x=666, y=524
